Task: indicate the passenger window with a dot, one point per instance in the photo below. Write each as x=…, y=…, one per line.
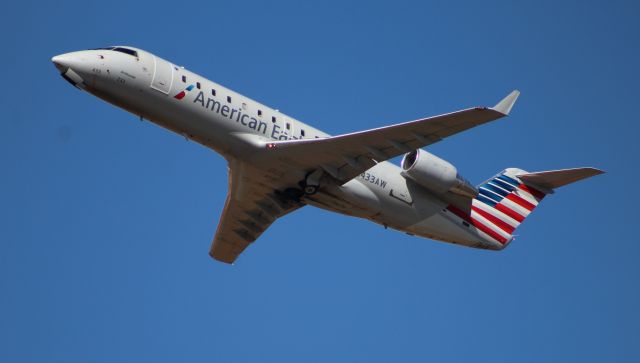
x=229, y=99
x=301, y=132
x=288, y=126
x=198, y=85
x=273, y=119
x=213, y=92
x=184, y=79
x=259, y=112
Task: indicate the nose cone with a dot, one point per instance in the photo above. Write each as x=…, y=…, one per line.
x=66, y=61
x=58, y=61
x=73, y=67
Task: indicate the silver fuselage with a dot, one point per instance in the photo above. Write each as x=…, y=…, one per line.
x=238, y=128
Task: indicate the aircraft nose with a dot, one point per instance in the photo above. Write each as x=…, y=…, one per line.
x=72, y=67
x=65, y=61
x=58, y=60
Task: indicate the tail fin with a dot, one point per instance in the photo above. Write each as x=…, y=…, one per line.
x=509, y=197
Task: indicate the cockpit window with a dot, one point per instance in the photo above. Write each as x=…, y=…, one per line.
x=126, y=51
x=119, y=49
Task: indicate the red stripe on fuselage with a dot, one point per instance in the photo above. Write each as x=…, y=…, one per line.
x=493, y=234
x=455, y=210
x=180, y=95
x=495, y=220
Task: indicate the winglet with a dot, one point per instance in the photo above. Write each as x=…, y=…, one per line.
x=504, y=106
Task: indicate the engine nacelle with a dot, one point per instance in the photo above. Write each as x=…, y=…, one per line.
x=435, y=174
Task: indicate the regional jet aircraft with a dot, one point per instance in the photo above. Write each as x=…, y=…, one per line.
x=278, y=164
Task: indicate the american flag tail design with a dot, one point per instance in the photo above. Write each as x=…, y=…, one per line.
x=505, y=200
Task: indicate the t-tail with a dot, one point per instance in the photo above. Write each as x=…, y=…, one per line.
x=508, y=198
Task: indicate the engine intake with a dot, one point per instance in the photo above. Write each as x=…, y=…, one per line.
x=435, y=174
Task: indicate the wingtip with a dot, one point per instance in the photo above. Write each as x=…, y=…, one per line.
x=505, y=105
x=595, y=171
x=219, y=257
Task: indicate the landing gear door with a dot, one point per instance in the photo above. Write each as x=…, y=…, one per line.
x=162, y=75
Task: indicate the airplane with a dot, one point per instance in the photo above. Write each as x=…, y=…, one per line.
x=277, y=164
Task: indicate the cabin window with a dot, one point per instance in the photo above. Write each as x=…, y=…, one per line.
x=229, y=99
x=213, y=92
x=259, y=112
x=302, y=133
x=244, y=106
x=184, y=79
x=288, y=126
x=198, y=85
x=273, y=119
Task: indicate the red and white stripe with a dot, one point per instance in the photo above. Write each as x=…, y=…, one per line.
x=498, y=223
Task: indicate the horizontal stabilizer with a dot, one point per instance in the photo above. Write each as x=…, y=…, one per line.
x=556, y=178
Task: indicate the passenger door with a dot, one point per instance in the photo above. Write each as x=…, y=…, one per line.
x=162, y=75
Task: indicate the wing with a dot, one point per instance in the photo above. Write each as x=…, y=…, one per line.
x=346, y=156
x=252, y=206
x=268, y=187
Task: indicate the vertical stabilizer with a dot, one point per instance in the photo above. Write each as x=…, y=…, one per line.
x=503, y=203
x=507, y=199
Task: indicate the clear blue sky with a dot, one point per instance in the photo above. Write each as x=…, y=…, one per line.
x=105, y=222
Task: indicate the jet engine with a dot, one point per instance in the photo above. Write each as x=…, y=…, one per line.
x=435, y=174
